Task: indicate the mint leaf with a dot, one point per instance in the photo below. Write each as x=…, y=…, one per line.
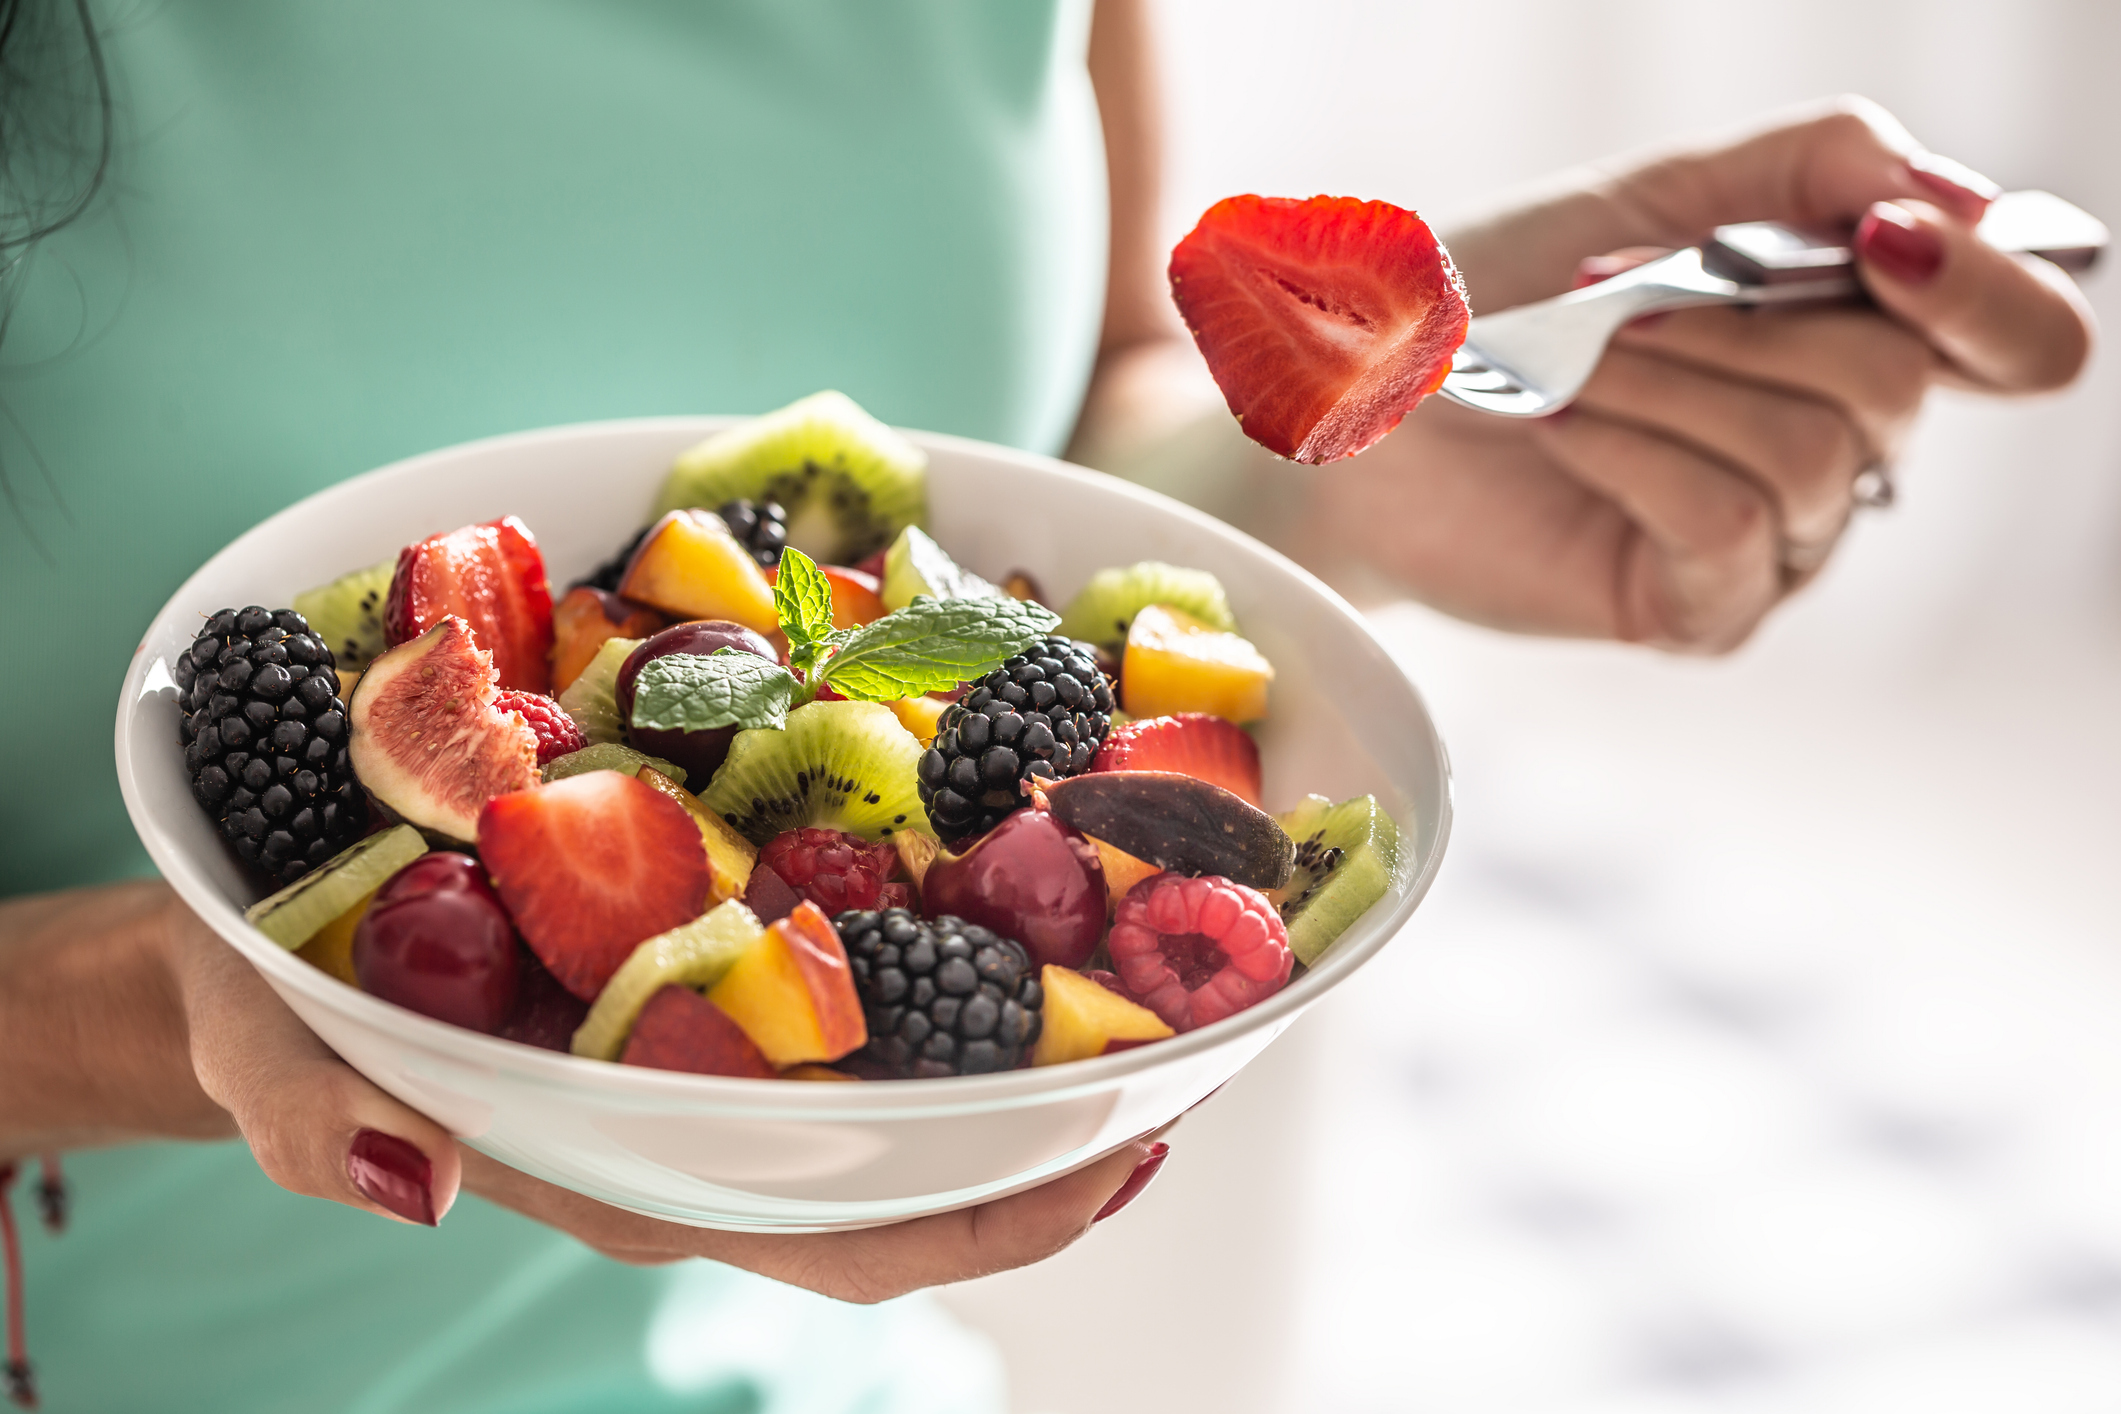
x=686, y=692
x=802, y=596
x=932, y=645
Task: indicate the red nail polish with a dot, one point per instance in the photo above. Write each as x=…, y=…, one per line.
x=1136, y=1181
x=1957, y=187
x=393, y=1174
x=1893, y=241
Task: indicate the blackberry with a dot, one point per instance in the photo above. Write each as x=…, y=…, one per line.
x=264, y=738
x=942, y=996
x=1043, y=713
x=762, y=528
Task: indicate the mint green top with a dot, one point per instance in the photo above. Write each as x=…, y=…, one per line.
x=336, y=235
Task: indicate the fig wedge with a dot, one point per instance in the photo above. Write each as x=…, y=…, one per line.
x=1177, y=823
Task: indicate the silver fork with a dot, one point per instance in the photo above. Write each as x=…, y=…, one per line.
x=1535, y=359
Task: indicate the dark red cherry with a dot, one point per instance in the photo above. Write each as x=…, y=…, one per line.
x=1030, y=878
x=436, y=940
x=700, y=753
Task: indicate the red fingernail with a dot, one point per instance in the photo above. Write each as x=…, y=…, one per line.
x=1958, y=187
x=1896, y=243
x=393, y=1174
x=1136, y=1181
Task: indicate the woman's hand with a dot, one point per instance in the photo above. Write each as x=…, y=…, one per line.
x=1707, y=469
x=122, y=1016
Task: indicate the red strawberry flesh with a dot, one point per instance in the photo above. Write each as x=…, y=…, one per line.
x=1197, y=744
x=591, y=866
x=1324, y=321
x=493, y=577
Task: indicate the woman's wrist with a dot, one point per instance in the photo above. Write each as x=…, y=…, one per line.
x=94, y=1048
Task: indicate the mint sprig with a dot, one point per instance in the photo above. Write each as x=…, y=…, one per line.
x=802, y=597
x=932, y=645
x=688, y=692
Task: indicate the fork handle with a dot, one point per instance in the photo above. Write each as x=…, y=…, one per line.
x=1773, y=264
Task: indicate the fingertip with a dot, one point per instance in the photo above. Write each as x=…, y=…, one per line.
x=1138, y=1178
x=1955, y=186
x=395, y=1175
x=1893, y=239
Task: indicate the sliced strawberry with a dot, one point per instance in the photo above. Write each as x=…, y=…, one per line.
x=589, y=867
x=681, y=1030
x=1196, y=744
x=1324, y=321
x=491, y=576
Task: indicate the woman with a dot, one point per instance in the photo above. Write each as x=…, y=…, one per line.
x=332, y=237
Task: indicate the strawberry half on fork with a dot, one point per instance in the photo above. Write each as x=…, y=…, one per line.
x=1324, y=321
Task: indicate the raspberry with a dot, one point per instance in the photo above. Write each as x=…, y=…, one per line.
x=836, y=871
x=556, y=731
x=1197, y=950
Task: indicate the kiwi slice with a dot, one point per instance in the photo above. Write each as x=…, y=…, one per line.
x=694, y=954
x=609, y=756
x=348, y=614
x=848, y=482
x=593, y=698
x=916, y=565
x=294, y=915
x=1347, y=855
x=837, y=765
x=1105, y=609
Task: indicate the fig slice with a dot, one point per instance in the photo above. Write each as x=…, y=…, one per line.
x=427, y=740
x=1177, y=823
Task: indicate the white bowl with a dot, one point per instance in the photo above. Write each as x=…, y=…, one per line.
x=766, y=1155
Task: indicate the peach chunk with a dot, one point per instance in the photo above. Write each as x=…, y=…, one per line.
x=691, y=567
x=1175, y=663
x=793, y=992
x=680, y=1030
x=1083, y=1019
x=582, y=622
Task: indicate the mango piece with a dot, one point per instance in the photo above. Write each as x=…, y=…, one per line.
x=1122, y=872
x=1175, y=663
x=691, y=567
x=1082, y=1018
x=730, y=857
x=919, y=715
x=816, y=1072
x=793, y=993
x=330, y=948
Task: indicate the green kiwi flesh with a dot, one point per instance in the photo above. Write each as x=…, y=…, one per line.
x=609, y=756
x=916, y=565
x=696, y=954
x=836, y=765
x=292, y=916
x=348, y=614
x=848, y=482
x=593, y=698
x=1106, y=607
x=1347, y=855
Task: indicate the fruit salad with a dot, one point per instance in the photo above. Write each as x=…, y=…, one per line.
x=780, y=792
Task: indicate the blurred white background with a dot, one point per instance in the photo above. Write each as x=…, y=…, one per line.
x=1760, y=1048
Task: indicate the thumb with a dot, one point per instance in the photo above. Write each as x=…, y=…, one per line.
x=315, y=1125
x=1820, y=167
x=2009, y=323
